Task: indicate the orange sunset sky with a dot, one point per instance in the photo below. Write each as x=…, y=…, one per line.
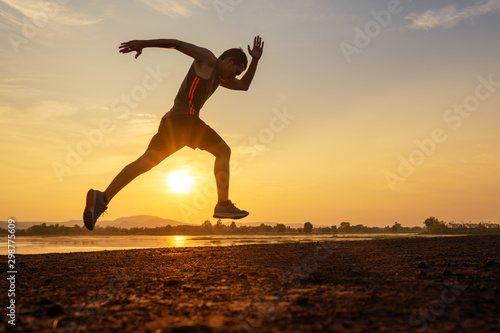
x=363, y=111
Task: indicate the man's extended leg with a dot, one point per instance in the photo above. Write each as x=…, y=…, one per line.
x=144, y=163
x=224, y=207
x=97, y=201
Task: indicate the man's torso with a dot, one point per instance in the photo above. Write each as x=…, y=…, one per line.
x=194, y=92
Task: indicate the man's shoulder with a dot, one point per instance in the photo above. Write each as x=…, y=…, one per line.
x=205, y=69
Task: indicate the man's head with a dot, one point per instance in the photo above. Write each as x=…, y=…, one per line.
x=233, y=62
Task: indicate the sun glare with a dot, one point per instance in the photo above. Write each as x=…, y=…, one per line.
x=179, y=181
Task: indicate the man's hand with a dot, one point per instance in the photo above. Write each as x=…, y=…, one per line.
x=133, y=45
x=258, y=46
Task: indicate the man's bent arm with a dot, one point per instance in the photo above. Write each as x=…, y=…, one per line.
x=245, y=81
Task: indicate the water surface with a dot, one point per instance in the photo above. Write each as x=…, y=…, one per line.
x=66, y=244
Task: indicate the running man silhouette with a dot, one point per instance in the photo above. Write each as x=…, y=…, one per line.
x=182, y=126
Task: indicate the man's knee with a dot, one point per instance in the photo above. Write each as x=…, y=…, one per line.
x=226, y=150
x=221, y=150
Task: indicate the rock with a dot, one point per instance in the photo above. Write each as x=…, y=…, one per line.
x=302, y=300
x=55, y=310
x=446, y=271
x=172, y=282
x=422, y=264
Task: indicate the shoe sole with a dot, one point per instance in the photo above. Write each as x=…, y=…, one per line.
x=230, y=216
x=88, y=213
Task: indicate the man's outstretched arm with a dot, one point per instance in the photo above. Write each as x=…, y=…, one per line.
x=200, y=54
x=244, y=82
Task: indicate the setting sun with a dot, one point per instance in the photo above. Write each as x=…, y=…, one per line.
x=179, y=181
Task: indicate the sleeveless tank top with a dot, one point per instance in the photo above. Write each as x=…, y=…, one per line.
x=194, y=92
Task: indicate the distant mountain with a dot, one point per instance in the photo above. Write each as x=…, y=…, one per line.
x=138, y=221
x=26, y=225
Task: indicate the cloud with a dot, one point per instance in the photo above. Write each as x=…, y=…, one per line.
x=17, y=14
x=176, y=8
x=17, y=88
x=449, y=16
x=29, y=23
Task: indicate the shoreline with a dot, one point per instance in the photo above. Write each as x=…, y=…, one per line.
x=81, y=243
x=380, y=285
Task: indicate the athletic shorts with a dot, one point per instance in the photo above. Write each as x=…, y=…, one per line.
x=178, y=131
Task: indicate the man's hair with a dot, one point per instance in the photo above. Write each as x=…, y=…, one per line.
x=240, y=58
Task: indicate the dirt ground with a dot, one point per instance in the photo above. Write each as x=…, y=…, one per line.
x=442, y=284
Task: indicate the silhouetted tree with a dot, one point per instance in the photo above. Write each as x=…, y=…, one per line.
x=345, y=227
x=358, y=228
x=281, y=228
x=396, y=227
x=265, y=228
x=233, y=227
x=308, y=227
x=207, y=226
x=219, y=226
x=434, y=223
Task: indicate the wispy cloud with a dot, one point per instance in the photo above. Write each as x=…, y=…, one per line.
x=16, y=14
x=28, y=23
x=176, y=8
x=17, y=88
x=450, y=16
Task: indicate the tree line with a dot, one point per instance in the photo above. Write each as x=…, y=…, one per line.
x=432, y=225
x=207, y=228
x=435, y=226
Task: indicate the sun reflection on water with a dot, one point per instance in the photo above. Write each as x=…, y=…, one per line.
x=179, y=241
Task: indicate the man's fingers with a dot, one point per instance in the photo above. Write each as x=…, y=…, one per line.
x=125, y=48
x=257, y=40
x=124, y=44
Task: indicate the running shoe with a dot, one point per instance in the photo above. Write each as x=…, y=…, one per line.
x=228, y=210
x=94, y=207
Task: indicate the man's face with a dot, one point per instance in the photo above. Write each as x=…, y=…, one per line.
x=229, y=70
